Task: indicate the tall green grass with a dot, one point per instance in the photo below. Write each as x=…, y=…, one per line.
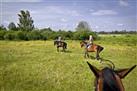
x=121, y=39
x=37, y=66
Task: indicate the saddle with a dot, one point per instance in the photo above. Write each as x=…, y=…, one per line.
x=59, y=43
x=89, y=45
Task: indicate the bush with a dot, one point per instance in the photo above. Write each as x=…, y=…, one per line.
x=21, y=35
x=46, y=34
x=10, y=35
x=34, y=35
x=15, y=35
x=2, y=33
x=84, y=35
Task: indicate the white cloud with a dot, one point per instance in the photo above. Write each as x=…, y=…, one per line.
x=104, y=12
x=6, y=22
x=91, y=10
x=61, y=11
x=120, y=24
x=21, y=0
x=54, y=9
x=73, y=13
x=33, y=12
x=96, y=27
x=64, y=20
x=123, y=2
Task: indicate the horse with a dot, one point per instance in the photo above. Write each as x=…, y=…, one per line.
x=109, y=79
x=93, y=48
x=60, y=44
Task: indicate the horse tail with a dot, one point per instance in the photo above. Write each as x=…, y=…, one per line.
x=100, y=48
x=65, y=45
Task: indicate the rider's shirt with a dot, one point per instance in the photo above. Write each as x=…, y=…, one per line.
x=90, y=41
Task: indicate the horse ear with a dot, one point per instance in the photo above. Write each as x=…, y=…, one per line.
x=124, y=72
x=94, y=69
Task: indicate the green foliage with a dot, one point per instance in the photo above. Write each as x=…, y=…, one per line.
x=84, y=34
x=47, y=33
x=69, y=35
x=83, y=31
x=50, y=34
x=21, y=35
x=34, y=35
x=2, y=33
x=13, y=35
x=25, y=21
x=10, y=35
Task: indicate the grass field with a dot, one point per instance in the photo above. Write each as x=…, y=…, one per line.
x=37, y=66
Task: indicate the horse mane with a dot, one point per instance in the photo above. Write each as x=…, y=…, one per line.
x=109, y=80
x=84, y=41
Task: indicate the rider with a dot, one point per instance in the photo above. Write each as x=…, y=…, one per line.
x=60, y=40
x=90, y=41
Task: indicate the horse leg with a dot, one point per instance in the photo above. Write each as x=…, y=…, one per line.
x=57, y=49
x=65, y=46
x=99, y=49
x=97, y=55
x=63, y=49
x=85, y=54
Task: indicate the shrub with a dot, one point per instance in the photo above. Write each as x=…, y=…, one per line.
x=34, y=35
x=84, y=35
x=2, y=33
x=21, y=35
x=10, y=35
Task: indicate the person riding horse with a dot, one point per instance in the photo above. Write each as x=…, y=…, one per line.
x=91, y=47
x=59, y=40
x=60, y=43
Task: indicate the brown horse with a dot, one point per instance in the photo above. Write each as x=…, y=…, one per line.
x=93, y=48
x=109, y=79
x=60, y=44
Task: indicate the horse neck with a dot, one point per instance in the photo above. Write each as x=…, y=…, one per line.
x=109, y=81
x=55, y=42
x=85, y=43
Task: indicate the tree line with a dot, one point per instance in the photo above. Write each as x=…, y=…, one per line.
x=25, y=30
x=45, y=34
x=118, y=32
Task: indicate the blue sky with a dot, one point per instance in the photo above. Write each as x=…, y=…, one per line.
x=102, y=15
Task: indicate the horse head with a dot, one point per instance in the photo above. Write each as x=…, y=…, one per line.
x=82, y=43
x=55, y=42
x=109, y=79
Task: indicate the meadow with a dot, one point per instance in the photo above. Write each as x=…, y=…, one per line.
x=37, y=66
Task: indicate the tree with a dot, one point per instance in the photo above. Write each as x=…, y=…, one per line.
x=25, y=21
x=83, y=31
x=12, y=26
x=83, y=25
